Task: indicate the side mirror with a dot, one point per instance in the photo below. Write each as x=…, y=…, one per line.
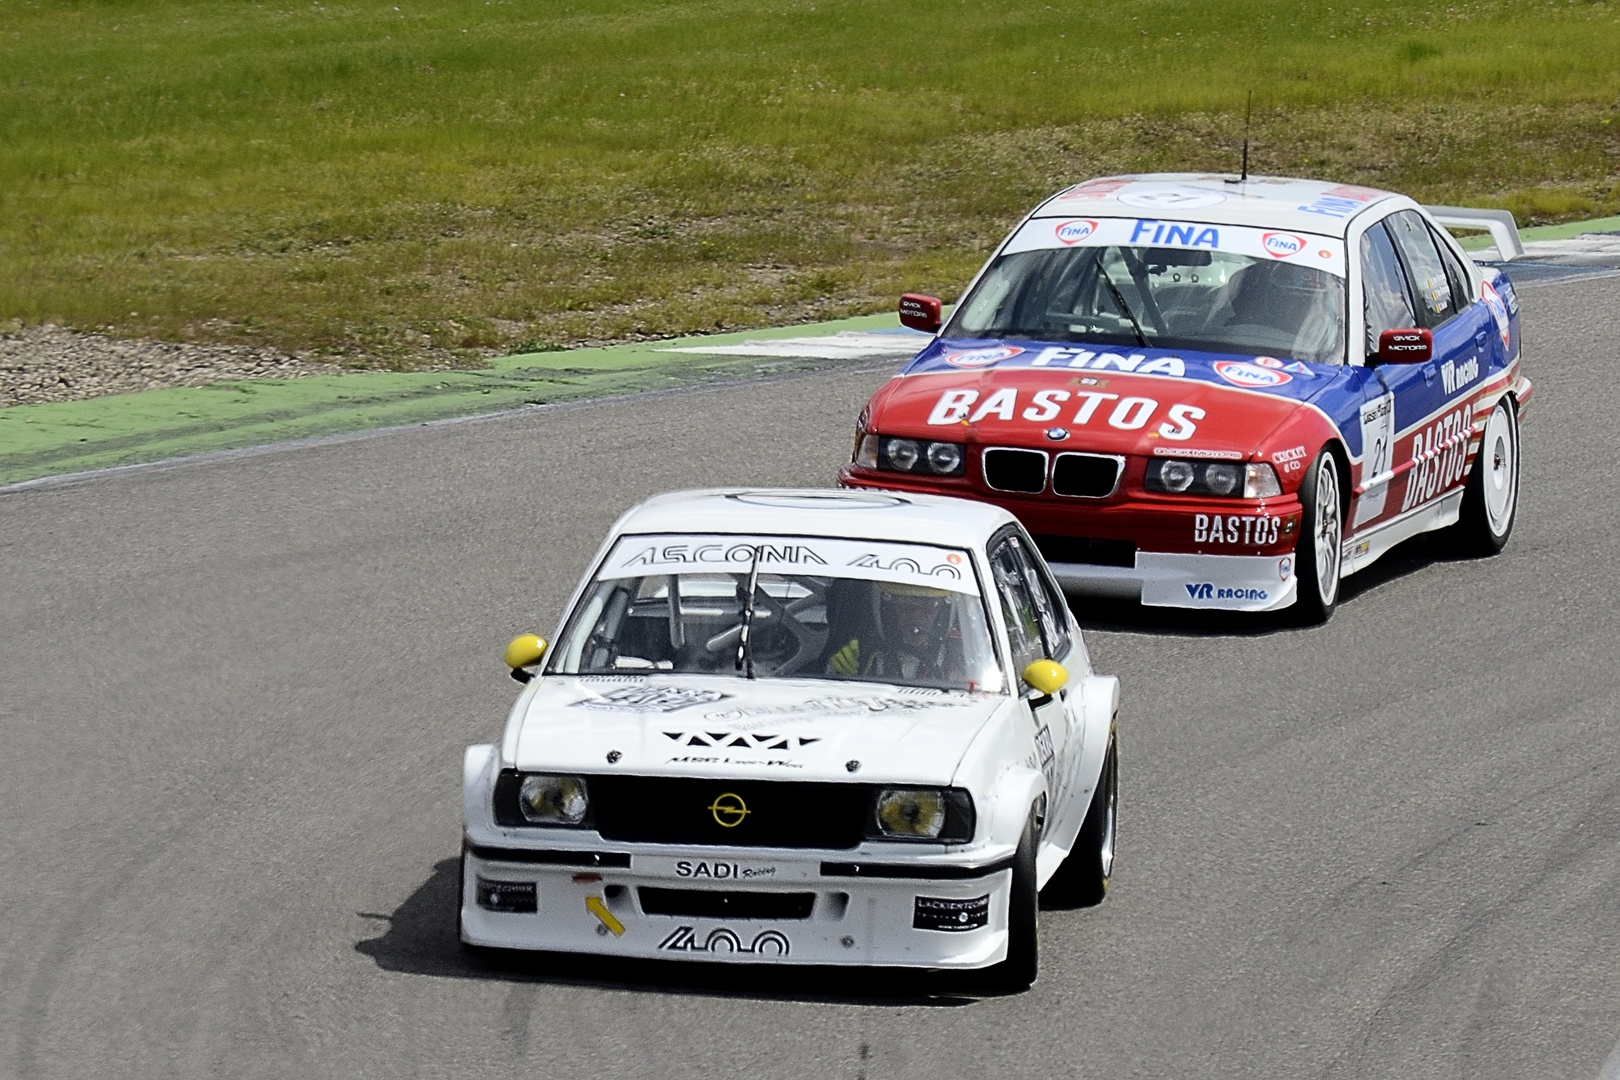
x=525, y=651
x=1405, y=346
x=920, y=312
x=1046, y=676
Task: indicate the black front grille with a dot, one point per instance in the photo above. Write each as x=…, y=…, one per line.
x=1084, y=549
x=704, y=904
x=677, y=810
x=1085, y=476
x=1015, y=470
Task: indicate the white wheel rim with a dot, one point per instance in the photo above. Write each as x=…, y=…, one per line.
x=1328, y=531
x=1499, y=451
x=1107, y=852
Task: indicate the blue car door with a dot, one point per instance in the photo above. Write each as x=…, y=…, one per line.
x=1432, y=414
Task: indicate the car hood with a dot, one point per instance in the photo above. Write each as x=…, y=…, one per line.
x=1213, y=403
x=789, y=729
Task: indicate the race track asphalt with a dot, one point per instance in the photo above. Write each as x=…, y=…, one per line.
x=234, y=695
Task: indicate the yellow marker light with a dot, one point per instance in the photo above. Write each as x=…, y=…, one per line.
x=526, y=649
x=1047, y=676
x=594, y=905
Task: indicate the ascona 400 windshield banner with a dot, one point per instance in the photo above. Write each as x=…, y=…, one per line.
x=1297, y=248
x=913, y=564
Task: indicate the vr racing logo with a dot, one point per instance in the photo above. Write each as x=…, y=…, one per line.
x=765, y=943
x=1204, y=590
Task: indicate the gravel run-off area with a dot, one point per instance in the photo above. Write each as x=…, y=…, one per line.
x=50, y=363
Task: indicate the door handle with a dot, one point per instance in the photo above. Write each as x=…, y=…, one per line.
x=1481, y=338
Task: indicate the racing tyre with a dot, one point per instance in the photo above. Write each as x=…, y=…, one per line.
x=1491, y=498
x=1082, y=879
x=1018, y=971
x=1320, y=555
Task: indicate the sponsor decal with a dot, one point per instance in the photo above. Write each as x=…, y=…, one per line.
x=1205, y=590
x=1377, y=456
x=1456, y=376
x=698, y=759
x=1439, y=457
x=1175, y=234
x=1361, y=549
x=1137, y=363
x=1172, y=197
x=1291, y=460
x=649, y=699
x=722, y=554
x=1043, y=748
x=1253, y=530
x=1267, y=361
x=721, y=871
x=728, y=810
x=513, y=897
x=978, y=358
x=1296, y=368
x=720, y=939
x=1252, y=376
x=1122, y=413
x=1204, y=455
x=1340, y=202
x=1285, y=568
x=951, y=916
x=1072, y=232
x=1281, y=245
x=1499, y=310
x=1095, y=189
x=745, y=740
x=903, y=565
x=830, y=706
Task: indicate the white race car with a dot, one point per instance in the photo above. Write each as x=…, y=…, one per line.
x=798, y=727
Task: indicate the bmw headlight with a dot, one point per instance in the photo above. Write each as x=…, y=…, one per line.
x=910, y=455
x=923, y=814
x=1254, y=480
x=530, y=799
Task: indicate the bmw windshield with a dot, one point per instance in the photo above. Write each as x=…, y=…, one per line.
x=1259, y=302
x=820, y=608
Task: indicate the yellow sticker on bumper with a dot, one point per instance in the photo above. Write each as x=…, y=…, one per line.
x=594, y=905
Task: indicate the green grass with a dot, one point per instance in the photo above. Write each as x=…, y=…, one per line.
x=451, y=179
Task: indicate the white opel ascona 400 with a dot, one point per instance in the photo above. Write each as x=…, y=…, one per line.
x=798, y=727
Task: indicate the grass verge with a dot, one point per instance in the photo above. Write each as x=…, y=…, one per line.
x=384, y=184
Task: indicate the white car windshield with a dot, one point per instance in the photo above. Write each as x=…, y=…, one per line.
x=901, y=614
x=1160, y=297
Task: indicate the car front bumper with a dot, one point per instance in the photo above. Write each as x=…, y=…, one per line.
x=792, y=907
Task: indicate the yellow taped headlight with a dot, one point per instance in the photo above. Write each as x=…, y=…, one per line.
x=913, y=813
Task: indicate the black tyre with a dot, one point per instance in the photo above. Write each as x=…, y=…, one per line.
x=1018, y=971
x=1491, y=499
x=1319, y=557
x=1082, y=880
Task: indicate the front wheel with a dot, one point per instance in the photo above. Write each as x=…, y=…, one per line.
x=1082, y=879
x=1320, y=554
x=1491, y=499
x=1018, y=971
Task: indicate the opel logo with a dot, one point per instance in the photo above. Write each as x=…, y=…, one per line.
x=728, y=810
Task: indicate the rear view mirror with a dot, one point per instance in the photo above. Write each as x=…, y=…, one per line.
x=921, y=312
x=1046, y=676
x=525, y=651
x=1405, y=346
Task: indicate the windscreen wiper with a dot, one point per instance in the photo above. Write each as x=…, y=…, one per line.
x=745, y=651
x=1119, y=298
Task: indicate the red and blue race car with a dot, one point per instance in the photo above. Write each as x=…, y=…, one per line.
x=1205, y=392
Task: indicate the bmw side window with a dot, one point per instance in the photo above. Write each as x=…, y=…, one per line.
x=1049, y=609
x=1455, y=274
x=1017, y=607
x=1387, y=304
x=1431, y=288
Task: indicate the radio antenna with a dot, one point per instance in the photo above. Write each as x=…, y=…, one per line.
x=1248, y=112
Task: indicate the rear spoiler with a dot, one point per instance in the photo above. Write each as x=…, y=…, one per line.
x=1499, y=223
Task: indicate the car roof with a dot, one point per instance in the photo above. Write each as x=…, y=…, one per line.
x=863, y=515
x=1268, y=202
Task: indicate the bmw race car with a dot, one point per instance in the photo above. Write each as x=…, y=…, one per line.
x=798, y=727
x=1206, y=392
